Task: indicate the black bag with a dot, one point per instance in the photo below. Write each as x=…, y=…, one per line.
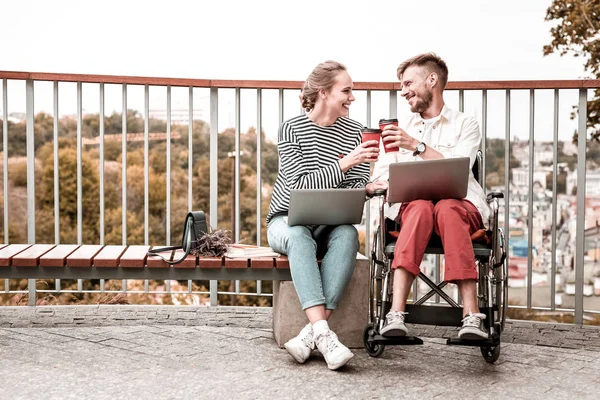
x=193, y=230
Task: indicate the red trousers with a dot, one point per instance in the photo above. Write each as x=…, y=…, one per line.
x=454, y=221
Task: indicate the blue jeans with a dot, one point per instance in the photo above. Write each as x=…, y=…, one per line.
x=338, y=246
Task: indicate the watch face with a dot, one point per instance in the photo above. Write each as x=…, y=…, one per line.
x=421, y=147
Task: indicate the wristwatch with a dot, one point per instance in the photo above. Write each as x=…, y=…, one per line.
x=420, y=149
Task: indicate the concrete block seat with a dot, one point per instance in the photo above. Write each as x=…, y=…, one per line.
x=68, y=261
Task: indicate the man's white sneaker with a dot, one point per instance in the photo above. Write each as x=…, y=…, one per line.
x=394, y=324
x=302, y=345
x=335, y=353
x=472, y=328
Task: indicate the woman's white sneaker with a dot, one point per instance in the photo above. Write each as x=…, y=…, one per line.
x=302, y=345
x=335, y=353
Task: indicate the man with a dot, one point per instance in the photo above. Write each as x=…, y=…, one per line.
x=432, y=132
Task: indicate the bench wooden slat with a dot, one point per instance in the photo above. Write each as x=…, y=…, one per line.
x=134, y=257
x=109, y=256
x=156, y=262
x=210, y=262
x=84, y=255
x=57, y=256
x=31, y=257
x=7, y=253
x=236, y=262
x=263, y=262
x=282, y=262
x=189, y=262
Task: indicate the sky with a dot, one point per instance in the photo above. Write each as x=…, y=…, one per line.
x=275, y=40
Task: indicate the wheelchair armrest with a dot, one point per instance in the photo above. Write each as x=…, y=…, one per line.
x=494, y=195
x=378, y=192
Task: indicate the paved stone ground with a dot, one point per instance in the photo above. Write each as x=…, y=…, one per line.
x=145, y=352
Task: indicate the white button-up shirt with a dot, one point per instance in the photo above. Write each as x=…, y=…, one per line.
x=454, y=135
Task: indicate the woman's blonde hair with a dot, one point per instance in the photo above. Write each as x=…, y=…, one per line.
x=321, y=78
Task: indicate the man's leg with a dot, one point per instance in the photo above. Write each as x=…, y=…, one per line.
x=416, y=226
x=455, y=222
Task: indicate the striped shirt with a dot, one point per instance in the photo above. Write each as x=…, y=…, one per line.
x=309, y=157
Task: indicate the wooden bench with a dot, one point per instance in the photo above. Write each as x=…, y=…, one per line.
x=67, y=261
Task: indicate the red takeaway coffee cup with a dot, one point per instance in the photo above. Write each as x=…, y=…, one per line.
x=371, y=134
x=382, y=124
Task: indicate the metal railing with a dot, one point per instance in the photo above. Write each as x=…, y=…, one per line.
x=375, y=98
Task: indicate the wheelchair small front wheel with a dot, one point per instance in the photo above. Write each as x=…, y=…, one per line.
x=491, y=353
x=373, y=349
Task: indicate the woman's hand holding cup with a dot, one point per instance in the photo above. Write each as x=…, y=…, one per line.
x=367, y=151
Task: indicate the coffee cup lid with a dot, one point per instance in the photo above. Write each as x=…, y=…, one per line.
x=370, y=130
x=387, y=120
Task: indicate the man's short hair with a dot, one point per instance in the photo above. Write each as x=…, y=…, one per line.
x=431, y=61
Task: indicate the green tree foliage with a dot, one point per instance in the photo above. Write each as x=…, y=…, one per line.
x=180, y=170
x=578, y=32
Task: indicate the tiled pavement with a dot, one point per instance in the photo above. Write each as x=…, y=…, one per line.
x=120, y=352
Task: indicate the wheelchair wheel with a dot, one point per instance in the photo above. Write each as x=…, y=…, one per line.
x=374, y=350
x=491, y=353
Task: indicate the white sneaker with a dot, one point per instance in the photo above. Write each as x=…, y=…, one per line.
x=394, y=324
x=472, y=328
x=302, y=345
x=335, y=353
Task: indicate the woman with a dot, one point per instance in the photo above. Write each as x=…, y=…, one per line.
x=319, y=150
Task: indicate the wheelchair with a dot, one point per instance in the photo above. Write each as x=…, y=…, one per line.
x=492, y=288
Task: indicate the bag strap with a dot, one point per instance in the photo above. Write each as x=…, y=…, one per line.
x=185, y=244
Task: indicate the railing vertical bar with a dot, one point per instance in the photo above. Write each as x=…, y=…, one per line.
x=124, y=285
x=580, y=226
x=530, y=196
x=124, y=167
x=5, y=158
x=237, y=163
x=461, y=100
x=190, y=146
x=259, y=143
x=6, y=281
x=214, y=189
x=101, y=162
x=146, y=164
x=484, y=123
x=507, y=172
x=281, y=98
x=29, y=92
x=368, y=203
x=236, y=159
x=554, y=201
x=189, y=286
x=102, y=283
x=79, y=165
x=168, y=285
x=55, y=163
x=168, y=172
x=57, y=285
x=393, y=103
x=146, y=285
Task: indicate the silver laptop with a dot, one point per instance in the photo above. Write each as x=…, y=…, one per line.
x=326, y=206
x=447, y=178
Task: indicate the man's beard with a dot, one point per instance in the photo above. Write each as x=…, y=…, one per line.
x=422, y=103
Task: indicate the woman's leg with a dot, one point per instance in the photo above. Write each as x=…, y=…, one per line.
x=300, y=247
x=340, y=246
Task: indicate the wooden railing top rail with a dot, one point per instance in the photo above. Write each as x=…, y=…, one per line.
x=264, y=84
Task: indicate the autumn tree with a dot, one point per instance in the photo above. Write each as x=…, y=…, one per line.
x=578, y=33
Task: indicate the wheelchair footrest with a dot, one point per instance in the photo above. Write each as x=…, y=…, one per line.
x=399, y=340
x=476, y=343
